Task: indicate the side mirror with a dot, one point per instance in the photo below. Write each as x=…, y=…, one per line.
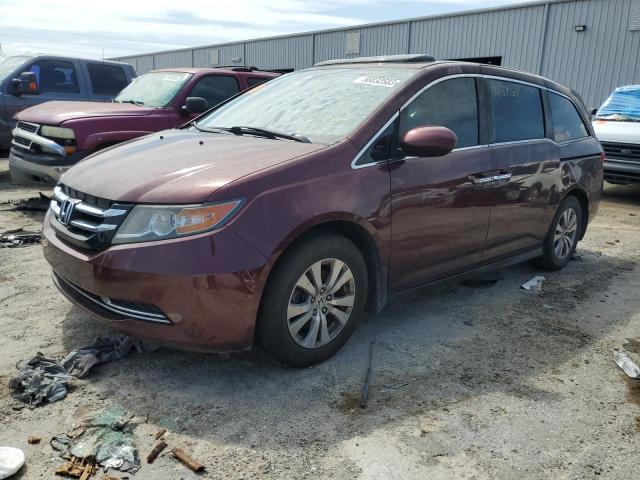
x=430, y=141
x=194, y=105
x=27, y=83
x=593, y=112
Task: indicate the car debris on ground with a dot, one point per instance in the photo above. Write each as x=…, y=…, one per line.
x=105, y=441
x=44, y=380
x=11, y=460
x=534, y=285
x=627, y=365
x=19, y=238
x=34, y=204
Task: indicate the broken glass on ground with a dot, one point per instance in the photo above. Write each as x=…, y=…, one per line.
x=106, y=440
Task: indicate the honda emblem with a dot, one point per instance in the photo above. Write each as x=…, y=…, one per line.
x=66, y=210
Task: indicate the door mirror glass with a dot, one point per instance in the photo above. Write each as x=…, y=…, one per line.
x=27, y=84
x=195, y=105
x=430, y=141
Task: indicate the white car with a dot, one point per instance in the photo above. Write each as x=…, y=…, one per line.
x=617, y=126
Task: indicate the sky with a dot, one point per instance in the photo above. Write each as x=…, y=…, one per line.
x=116, y=28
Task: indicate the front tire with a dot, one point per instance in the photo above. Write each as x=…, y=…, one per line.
x=313, y=301
x=563, y=236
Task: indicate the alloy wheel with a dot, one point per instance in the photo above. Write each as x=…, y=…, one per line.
x=321, y=303
x=566, y=233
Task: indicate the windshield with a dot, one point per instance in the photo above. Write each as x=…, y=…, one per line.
x=623, y=105
x=8, y=66
x=323, y=105
x=155, y=89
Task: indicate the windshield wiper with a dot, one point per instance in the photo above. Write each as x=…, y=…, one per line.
x=262, y=132
x=209, y=130
x=135, y=102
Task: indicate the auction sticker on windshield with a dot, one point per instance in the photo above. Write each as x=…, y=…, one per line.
x=377, y=81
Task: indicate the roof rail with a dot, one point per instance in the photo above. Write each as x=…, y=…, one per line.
x=413, y=58
x=243, y=68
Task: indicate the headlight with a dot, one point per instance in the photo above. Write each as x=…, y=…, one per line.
x=57, y=132
x=160, y=222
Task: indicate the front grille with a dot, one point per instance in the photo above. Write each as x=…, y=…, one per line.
x=28, y=127
x=111, y=308
x=622, y=151
x=22, y=141
x=85, y=221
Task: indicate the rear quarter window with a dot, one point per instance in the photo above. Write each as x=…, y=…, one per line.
x=516, y=111
x=567, y=122
x=106, y=79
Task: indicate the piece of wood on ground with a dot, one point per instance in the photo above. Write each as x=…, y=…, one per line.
x=70, y=469
x=160, y=433
x=88, y=471
x=156, y=451
x=33, y=440
x=186, y=459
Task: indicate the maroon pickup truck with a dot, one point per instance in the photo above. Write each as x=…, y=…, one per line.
x=52, y=137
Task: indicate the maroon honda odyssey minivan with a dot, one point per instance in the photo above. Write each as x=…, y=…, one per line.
x=282, y=215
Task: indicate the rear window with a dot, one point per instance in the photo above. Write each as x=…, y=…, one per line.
x=567, y=123
x=517, y=112
x=106, y=79
x=253, y=81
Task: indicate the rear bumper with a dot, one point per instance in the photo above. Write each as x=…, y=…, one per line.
x=621, y=171
x=207, y=288
x=28, y=168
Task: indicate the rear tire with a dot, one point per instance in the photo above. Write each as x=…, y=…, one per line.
x=313, y=301
x=562, y=238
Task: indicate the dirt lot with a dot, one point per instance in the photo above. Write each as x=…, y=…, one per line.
x=502, y=383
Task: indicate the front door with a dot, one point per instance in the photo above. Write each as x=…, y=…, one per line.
x=57, y=80
x=440, y=205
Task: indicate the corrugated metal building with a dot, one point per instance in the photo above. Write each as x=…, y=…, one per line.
x=590, y=45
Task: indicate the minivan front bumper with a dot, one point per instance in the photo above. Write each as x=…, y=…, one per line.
x=197, y=293
x=28, y=168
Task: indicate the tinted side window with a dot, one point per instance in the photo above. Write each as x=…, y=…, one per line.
x=253, y=81
x=106, y=79
x=452, y=104
x=55, y=76
x=215, y=89
x=517, y=112
x=567, y=123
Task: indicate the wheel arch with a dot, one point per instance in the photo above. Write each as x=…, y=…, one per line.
x=364, y=241
x=582, y=197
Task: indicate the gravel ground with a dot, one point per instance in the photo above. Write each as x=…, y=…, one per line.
x=490, y=382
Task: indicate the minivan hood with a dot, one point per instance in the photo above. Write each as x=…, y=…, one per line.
x=55, y=112
x=619, y=132
x=178, y=166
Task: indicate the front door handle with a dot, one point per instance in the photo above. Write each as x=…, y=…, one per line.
x=490, y=179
